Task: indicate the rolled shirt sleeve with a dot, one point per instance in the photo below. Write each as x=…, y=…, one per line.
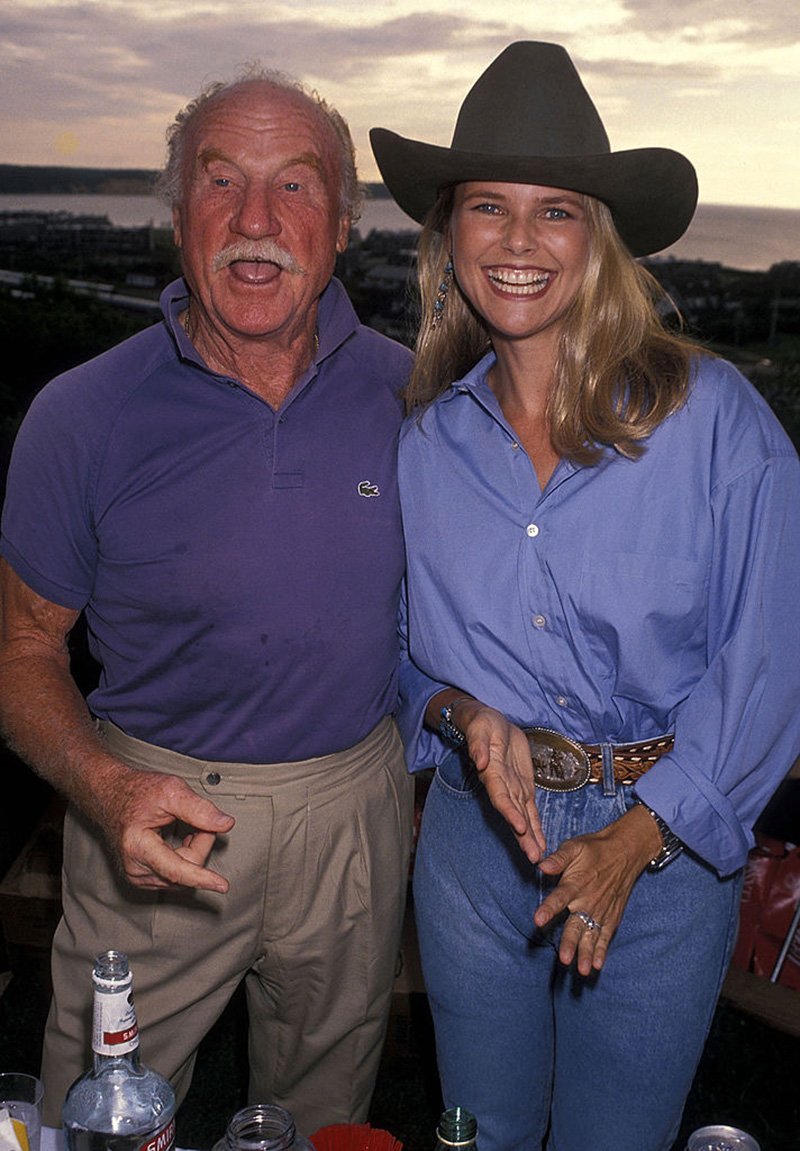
x=736, y=733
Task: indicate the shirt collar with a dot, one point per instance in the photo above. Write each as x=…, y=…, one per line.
x=476, y=384
x=336, y=319
x=174, y=301
x=476, y=379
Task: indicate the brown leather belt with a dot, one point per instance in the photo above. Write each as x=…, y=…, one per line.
x=562, y=764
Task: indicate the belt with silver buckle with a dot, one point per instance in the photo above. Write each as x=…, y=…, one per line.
x=562, y=764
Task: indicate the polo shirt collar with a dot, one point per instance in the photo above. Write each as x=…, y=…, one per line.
x=336, y=319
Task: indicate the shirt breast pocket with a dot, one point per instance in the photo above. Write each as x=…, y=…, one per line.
x=644, y=620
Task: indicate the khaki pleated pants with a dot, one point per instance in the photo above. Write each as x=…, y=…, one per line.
x=317, y=864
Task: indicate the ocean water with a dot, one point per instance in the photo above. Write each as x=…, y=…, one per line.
x=739, y=237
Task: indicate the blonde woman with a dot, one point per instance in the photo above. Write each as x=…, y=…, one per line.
x=602, y=527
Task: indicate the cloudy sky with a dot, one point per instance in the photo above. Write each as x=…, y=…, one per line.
x=94, y=82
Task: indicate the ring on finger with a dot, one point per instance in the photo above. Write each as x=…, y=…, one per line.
x=586, y=918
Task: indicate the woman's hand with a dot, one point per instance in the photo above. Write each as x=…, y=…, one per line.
x=502, y=758
x=597, y=872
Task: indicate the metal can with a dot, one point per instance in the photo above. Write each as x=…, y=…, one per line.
x=721, y=1138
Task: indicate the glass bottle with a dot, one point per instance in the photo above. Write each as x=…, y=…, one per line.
x=457, y=1128
x=262, y=1127
x=119, y=1104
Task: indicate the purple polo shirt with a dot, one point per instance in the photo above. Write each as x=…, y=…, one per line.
x=239, y=567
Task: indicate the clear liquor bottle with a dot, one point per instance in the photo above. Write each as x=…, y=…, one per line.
x=119, y=1104
x=457, y=1128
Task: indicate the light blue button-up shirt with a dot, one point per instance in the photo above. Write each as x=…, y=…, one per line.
x=627, y=600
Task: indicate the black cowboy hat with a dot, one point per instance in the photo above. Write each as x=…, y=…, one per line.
x=529, y=120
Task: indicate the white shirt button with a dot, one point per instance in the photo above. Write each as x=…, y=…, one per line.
x=532, y=530
x=562, y=701
x=539, y=621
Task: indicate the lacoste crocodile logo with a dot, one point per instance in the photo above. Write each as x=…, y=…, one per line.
x=367, y=489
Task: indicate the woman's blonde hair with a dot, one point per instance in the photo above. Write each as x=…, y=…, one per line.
x=619, y=372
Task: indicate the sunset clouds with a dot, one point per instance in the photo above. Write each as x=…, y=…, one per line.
x=94, y=83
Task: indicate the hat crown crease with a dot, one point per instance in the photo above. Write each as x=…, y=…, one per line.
x=527, y=105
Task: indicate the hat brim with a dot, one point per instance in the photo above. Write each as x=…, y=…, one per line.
x=651, y=192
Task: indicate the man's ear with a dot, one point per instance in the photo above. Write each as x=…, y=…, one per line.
x=344, y=234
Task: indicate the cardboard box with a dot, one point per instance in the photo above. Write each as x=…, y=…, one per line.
x=30, y=892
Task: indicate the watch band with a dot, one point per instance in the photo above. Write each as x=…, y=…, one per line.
x=671, y=846
x=447, y=728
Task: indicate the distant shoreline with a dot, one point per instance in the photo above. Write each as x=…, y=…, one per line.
x=23, y=179
x=52, y=180
x=747, y=238
x=55, y=180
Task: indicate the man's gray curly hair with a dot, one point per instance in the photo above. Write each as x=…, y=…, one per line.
x=170, y=184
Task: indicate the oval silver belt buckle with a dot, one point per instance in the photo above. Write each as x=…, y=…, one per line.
x=559, y=763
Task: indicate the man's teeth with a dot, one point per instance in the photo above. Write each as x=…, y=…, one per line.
x=520, y=283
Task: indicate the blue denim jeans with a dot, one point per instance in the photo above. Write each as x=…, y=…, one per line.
x=533, y=1049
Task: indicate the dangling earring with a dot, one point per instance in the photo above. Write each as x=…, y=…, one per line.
x=441, y=295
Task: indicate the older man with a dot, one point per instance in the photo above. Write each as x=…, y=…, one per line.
x=218, y=496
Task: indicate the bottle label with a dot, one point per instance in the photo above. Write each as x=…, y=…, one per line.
x=115, y=1031
x=162, y=1140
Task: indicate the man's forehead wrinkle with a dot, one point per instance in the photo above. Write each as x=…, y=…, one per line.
x=277, y=108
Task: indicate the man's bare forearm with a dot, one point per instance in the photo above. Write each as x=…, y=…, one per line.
x=43, y=716
x=45, y=721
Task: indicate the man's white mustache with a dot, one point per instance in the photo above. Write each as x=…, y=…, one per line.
x=256, y=251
